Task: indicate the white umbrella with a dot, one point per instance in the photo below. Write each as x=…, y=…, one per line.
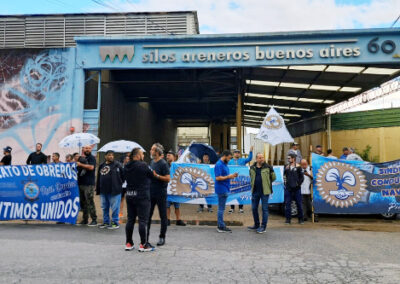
x=79, y=140
x=120, y=146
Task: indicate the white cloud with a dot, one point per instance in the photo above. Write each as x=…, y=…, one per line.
x=242, y=16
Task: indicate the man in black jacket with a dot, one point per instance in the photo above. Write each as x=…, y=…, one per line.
x=293, y=179
x=110, y=177
x=37, y=157
x=138, y=177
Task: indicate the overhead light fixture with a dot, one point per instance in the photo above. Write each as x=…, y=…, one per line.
x=259, y=95
x=275, y=67
x=294, y=85
x=255, y=111
x=380, y=71
x=262, y=83
x=350, y=89
x=308, y=67
x=324, y=87
x=328, y=102
x=301, y=109
x=310, y=100
x=344, y=69
x=291, y=115
x=286, y=98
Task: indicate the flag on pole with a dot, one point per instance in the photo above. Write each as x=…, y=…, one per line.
x=273, y=129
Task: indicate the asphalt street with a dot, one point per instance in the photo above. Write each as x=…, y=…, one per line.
x=49, y=253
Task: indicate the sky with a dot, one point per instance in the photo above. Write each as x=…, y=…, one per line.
x=236, y=16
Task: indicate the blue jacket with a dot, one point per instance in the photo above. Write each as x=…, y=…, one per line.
x=221, y=169
x=241, y=161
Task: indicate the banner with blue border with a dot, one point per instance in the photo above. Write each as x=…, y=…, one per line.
x=342, y=186
x=194, y=184
x=39, y=192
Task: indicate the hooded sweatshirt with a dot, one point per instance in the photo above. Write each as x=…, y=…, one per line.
x=138, y=177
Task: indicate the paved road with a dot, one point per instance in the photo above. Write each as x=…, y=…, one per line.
x=47, y=253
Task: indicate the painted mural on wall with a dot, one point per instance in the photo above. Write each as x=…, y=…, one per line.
x=36, y=100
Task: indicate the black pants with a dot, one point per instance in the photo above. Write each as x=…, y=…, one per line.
x=208, y=206
x=240, y=206
x=137, y=207
x=161, y=202
x=307, y=206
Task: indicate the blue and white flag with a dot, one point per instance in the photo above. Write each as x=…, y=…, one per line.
x=195, y=183
x=273, y=129
x=39, y=192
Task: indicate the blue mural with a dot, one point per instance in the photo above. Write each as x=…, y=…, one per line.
x=36, y=94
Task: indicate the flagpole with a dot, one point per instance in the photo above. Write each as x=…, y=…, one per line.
x=312, y=190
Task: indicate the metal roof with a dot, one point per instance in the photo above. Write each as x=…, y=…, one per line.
x=59, y=30
x=299, y=92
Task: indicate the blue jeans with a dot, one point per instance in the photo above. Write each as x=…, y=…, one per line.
x=221, y=209
x=296, y=196
x=255, y=201
x=113, y=202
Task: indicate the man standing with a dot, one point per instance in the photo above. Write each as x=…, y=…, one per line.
x=6, y=160
x=37, y=157
x=306, y=189
x=295, y=150
x=238, y=161
x=55, y=158
x=222, y=187
x=345, y=153
x=109, y=185
x=177, y=205
x=318, y=150
x=293, y=179
x=86, y=181
x=158, y=189
x=138, y=177
x=261, y=177
x=353, y=156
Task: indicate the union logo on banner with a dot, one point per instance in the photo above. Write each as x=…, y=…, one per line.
x=273, y=122
x=340, y=184
x=192, y=182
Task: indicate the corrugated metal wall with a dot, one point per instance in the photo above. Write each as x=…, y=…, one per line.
x=60, y=30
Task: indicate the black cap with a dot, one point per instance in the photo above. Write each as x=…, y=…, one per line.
x=7, y=149
x=318, y=146
x=345, y=149
x=109, y=151
x=292, y=155
x=171, y=152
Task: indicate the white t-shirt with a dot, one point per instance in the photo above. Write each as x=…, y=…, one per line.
x=305, y=186
x=353, y=157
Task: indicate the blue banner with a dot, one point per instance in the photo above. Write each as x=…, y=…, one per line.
x=342, y=186
x=194, y=183
x=39, y=192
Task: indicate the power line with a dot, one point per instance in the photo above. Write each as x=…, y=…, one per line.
x=398, y=18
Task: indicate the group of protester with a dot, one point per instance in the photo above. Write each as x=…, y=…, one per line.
x=145, y=186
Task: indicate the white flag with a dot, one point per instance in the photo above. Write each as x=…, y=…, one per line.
x=273, y=129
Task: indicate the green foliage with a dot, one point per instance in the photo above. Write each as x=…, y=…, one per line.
x=366, y=155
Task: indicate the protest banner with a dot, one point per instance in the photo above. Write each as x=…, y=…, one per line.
x=39, y=192
x=342, y=186
x=195, y=183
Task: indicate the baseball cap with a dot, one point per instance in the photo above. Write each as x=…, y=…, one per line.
x=292, y=155
x=7, y=149
x=171, y=152
x=236, y=151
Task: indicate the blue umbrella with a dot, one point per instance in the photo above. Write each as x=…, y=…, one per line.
x=199, y=150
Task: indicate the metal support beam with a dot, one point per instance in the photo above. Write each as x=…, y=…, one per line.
x=239, y=115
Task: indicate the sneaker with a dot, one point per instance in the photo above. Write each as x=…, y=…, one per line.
x=241, y=211
x=210, y=210
x=93, y=224
x=261, y=230
x=104, y=225
x=169, y=222
x=224, y=230
x=231, y=211
x=253, y=228
x=287, y=222
x=145, y=248
x=113, y=226
x=83, y=222
x=180, y=223
x=301, y=221
x=129, y=247
x=200, y=210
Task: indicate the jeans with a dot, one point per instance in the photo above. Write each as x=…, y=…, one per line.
x=255, y=201
x=296, y=196
x=86, y=194
x=113, y=202
x=161, y=202
x=221, y=209
x=137, y=207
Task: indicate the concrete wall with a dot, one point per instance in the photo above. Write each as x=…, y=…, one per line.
x=122, y=119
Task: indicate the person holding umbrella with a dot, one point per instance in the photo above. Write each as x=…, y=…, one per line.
x=86, y=182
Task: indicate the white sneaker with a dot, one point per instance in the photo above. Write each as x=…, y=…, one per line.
x=231, y=211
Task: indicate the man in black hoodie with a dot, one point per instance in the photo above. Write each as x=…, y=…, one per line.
x=110, y=177
x=294, y=177
x=138, y=177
